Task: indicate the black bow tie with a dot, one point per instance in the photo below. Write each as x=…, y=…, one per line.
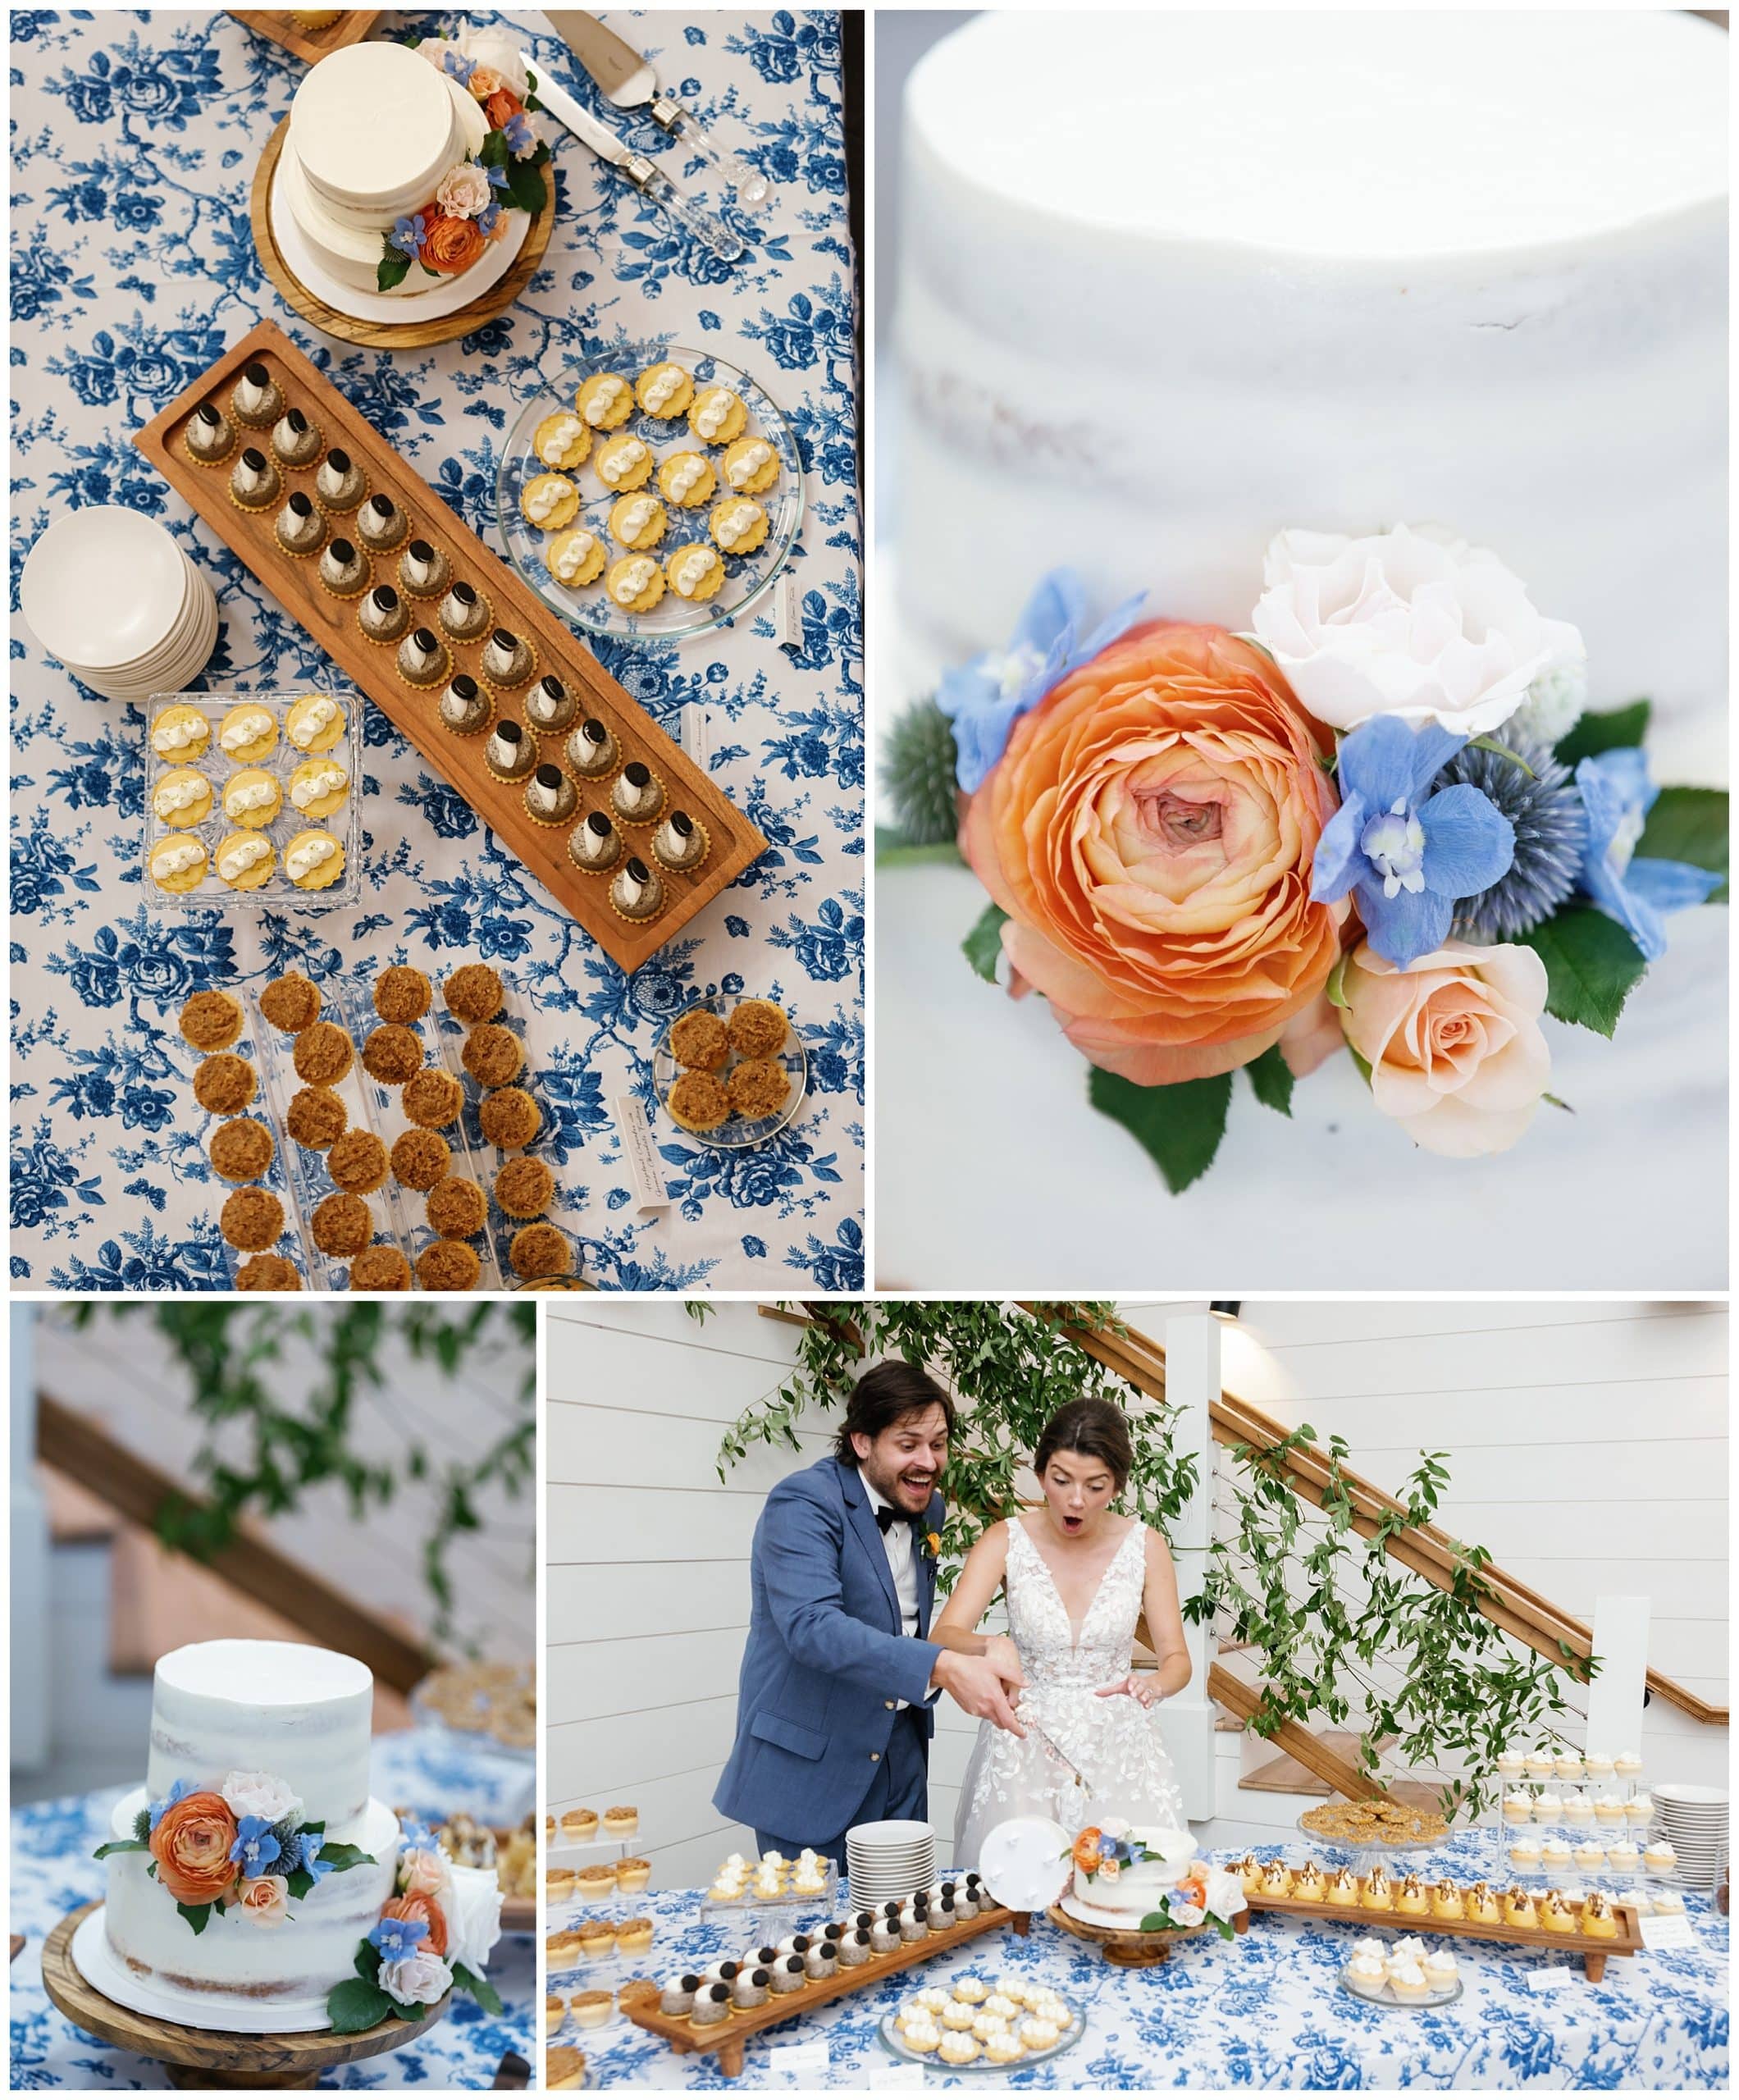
x=887, y=1518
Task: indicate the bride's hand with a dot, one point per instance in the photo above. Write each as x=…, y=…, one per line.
x=1004, y=1657
x=1141, y=1686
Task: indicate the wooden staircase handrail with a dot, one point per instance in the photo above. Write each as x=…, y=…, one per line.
x=74, y=1444
x=1431, y=1552
x=1341, y=1772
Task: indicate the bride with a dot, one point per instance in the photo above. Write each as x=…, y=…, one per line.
x=1077, y=1579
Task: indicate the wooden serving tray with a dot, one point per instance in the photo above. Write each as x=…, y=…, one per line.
x=332, y=622
x=639, y=2001
x=1594, y=1951
x=281, y=27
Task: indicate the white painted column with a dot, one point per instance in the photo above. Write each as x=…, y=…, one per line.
x=1192, y=1342
x=1621, y=1640
x=31, y=1719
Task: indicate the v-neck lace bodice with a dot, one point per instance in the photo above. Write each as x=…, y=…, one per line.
x=1052, y=1651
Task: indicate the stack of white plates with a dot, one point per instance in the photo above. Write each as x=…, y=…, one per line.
x=108, y=591
x=1693, y=1820
x=888, y=1861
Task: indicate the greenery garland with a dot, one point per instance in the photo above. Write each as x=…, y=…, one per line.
x=229, y=1350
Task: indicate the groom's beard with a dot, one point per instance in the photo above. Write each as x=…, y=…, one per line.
x=908, y=1490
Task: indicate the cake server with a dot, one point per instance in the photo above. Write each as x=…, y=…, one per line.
x=626, y=79
x=645, y=175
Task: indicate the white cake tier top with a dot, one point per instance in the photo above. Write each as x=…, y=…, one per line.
x=1396, y=133
x=373, y=128
x=302, y=1714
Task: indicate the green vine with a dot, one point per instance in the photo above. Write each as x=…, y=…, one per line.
x=302, y=1439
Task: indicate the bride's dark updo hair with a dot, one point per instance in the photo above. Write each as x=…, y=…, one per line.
x=1094, y=1428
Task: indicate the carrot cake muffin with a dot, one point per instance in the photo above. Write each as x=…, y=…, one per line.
x=564, y=2068
x=717, y=416
x=241, y=1150
x=524, y=1187
x=510, y=1118
x=290, y=1002
x=575, y=557
x=739, y=525
x=758, y=1028
x=323, y=1053
x=687, y=479
x=224, y=1084
x=433, y=1098
x=751, y=466
x=251, y=1220
x=695, y=572
x=420, y=1158
x=402, y=993
x=664, y=390
x=492, y=1054
x=699, y=1102
x=180, y=734
x=549, y=501
x=449, y=1265
x=473, y=993
x=210, y=1021
x=316, y=1117
x=248, y=733
x=591, y=2008
x=318, y=787
x=457, y=1207
x=637, y=522
x=635, y=583
x=391, y=1053
x=380, y=1268
x=605, y=400
x=181, y=798
x=624, y=463
x=357, y=1162
x=561, y=441
x=342, y=1225
x=698, y=1040
x=268, y=1272
x=555, y=2012
x=540, y=1250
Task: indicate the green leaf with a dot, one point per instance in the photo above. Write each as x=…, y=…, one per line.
x=1156, y=1921
x=481, y=1989
x=1617, y=729
x=1689, y=824
x=394, y=269
x=120, y=1844
x=983, y=944
x=354, y=2006
x=892, y=850
x=1270, y=1081
x=368, y=1964
x=1503, y=750
x=405, y=2012
x=343, y=1857
x=1591, y=965
x=1362, y=1063
x=299, y=1884
x=1179, y=1127
x=493, y=151
x=196, y=1914
x=526, y=186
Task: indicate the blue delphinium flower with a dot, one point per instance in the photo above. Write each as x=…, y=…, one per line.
x=255, y=1847
x=396, y=1938
x=986, y=697
x=486, y=219
x=497, y=176
x=1408, y=854
x=178, y=1792
x=459, y=66
x=415, y=1836
x=408, y=235
x=522, y=140
x=1618, y=794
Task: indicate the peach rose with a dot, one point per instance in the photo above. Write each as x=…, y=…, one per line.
x=501, y=105
x=425, y=1873
x=452, y=245
x=1150, y=831
x=484, y=82
x=1454, y=1044
x=191, y=1846
x=414, y=1909
x=265, y=1900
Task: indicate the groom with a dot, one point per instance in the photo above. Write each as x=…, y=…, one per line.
x=835, y=1702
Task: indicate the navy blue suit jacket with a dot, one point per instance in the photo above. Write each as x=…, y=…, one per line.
x=826, y=1659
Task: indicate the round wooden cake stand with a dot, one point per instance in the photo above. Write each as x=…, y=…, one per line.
x=1131, y=1950
x=388, y=335
x=193, y=2057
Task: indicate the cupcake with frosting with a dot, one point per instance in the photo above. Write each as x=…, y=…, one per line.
x=257, y=399
x=210, y=436
x=294, y=439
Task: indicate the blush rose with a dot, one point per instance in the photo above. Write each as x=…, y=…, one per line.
x=265, y=1900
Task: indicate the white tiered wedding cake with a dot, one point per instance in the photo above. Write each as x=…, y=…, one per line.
x=1174, y=281
x=256, y=1815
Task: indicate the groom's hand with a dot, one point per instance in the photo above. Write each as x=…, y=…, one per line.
x=975, y=1685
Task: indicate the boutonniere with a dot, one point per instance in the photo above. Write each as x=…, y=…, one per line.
x=932, y=1545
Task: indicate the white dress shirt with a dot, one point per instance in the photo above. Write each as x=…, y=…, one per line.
x=902, y=1562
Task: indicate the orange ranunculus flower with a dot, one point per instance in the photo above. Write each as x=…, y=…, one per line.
x=500, y=106
x=452, y=245
x=425, y=1908
x=1087, y=1850
x=1150, y=831
x=191, y=1846
x=1192, y=1889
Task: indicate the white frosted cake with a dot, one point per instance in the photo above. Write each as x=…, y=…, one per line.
x=1121, y=1892
x=372, y=130
x=250, y=1725
x=1171, y=282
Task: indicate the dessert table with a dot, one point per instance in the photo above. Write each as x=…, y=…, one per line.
x=135, y=144
x=1265, y=2011
x=53, y=1873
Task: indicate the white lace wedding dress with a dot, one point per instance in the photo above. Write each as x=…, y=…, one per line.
x=1114, y=1743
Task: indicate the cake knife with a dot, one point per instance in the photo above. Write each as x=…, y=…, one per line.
x=645, y=175
x=626, y=79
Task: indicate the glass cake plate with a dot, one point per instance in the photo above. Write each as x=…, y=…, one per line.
x=1375, y=1847
x=736, y=1132
x=588, y=606
x=1384, y=1995
x=897, y=2046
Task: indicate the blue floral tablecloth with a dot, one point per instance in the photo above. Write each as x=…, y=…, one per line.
x=52, y=1873
x=1265, y=2011
x=135, y=139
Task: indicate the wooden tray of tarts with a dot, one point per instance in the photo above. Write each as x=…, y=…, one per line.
x=734, y=843
x=280, y=24
x=1594, y=1953
x=725, y=2040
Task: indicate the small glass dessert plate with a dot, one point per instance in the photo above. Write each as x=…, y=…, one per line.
x=735, y=1130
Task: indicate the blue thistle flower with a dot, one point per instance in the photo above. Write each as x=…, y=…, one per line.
x=1551, y=830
